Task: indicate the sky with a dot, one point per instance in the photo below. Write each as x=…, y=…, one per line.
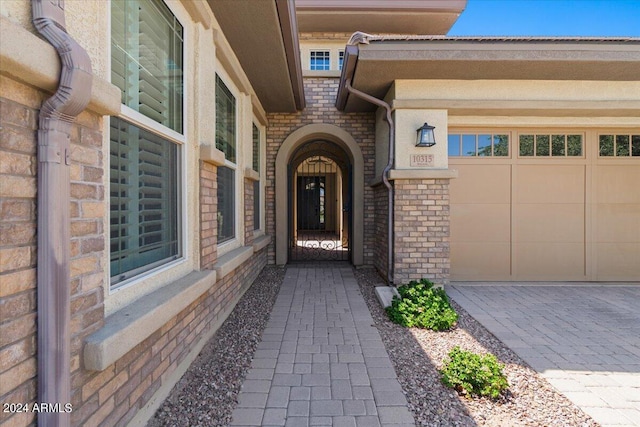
x=598, y=18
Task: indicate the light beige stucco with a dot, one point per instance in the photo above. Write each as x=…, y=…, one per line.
x=294, y=140
x=407, y=122
x=521, y=97
x=507, y=90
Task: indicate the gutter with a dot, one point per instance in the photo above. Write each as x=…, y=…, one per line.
x=54, y=129
x=344, y=89
x=289, y=27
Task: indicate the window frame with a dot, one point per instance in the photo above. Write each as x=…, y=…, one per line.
x=476, y=133
x=615, y=134
x=129, y=115
x=237, y=239
x=323, y=51
x=550, y=133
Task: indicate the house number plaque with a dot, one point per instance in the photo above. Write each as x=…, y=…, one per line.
x=421, y=160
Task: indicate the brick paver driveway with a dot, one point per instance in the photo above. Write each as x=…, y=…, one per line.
x=584, y=338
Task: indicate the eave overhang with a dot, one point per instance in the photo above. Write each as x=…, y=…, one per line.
x=379, y=16
x=264, y=37
x=373, y=63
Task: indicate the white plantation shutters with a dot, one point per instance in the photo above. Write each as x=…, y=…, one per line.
x=256, y=184
x=144, y=200
x=226, y=142
x=146, y=64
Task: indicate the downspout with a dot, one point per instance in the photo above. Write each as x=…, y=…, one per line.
x=348, y=71
x=385, y=172
x=54, y=129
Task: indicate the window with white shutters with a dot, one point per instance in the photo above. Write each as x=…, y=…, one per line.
x=146, y=64
x=256, y=184
x=226, y=142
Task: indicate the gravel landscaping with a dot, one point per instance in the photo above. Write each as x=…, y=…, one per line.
x=207, y=393
x=417, y=355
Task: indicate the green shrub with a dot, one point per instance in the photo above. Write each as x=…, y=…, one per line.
x=423, y=306
x=474, y=374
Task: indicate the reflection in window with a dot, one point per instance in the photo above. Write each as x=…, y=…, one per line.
x=619, y=145
x=483, y=145
x=454, y=145
x=558, y=145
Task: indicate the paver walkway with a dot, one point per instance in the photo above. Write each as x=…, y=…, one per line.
x=584, y=339
x=321, y=361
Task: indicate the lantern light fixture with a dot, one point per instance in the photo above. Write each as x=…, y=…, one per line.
x=426, y=136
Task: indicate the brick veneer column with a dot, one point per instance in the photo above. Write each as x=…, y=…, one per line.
x=208, y=218
x=381, y=240
x=248, y=212
x=421, y=230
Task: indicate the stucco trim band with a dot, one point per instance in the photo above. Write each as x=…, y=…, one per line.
x=128, y=327
x=531, y=107
x=29, y=59
x=395, y=174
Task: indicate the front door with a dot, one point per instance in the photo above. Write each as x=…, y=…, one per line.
x=311, y=209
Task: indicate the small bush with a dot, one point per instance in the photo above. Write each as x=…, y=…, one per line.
x=423, y=306
x=474, y=374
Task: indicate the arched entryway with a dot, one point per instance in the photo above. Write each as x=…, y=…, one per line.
x=304, y=166
x=320, y=193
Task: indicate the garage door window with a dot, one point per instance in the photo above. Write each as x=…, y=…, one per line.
x=619, y=145
x=478, y=145
x=555, y=145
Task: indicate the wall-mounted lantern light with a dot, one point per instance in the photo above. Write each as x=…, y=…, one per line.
x=426, y=137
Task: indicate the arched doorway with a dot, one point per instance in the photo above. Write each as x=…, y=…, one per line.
x=284, y=160
x=320, y=194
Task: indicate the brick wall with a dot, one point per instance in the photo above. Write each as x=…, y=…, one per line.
x=18, y=165
x=337, y=36
x=208, y=217
x=114, y=396
x=421, y=230
x=18, y=252
x=320, y=95
x=248, y=212
x=381, y=240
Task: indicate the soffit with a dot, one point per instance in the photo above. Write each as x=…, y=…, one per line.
x=379, y=63
x=263, y=37
x=379, y=16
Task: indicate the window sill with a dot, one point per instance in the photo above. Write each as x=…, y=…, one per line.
x=209, y=153
x=251, y=174
x=261, y=242
x=129, y=326
x=232, y=260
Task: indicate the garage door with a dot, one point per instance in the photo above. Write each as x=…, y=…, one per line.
x=545, y=205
